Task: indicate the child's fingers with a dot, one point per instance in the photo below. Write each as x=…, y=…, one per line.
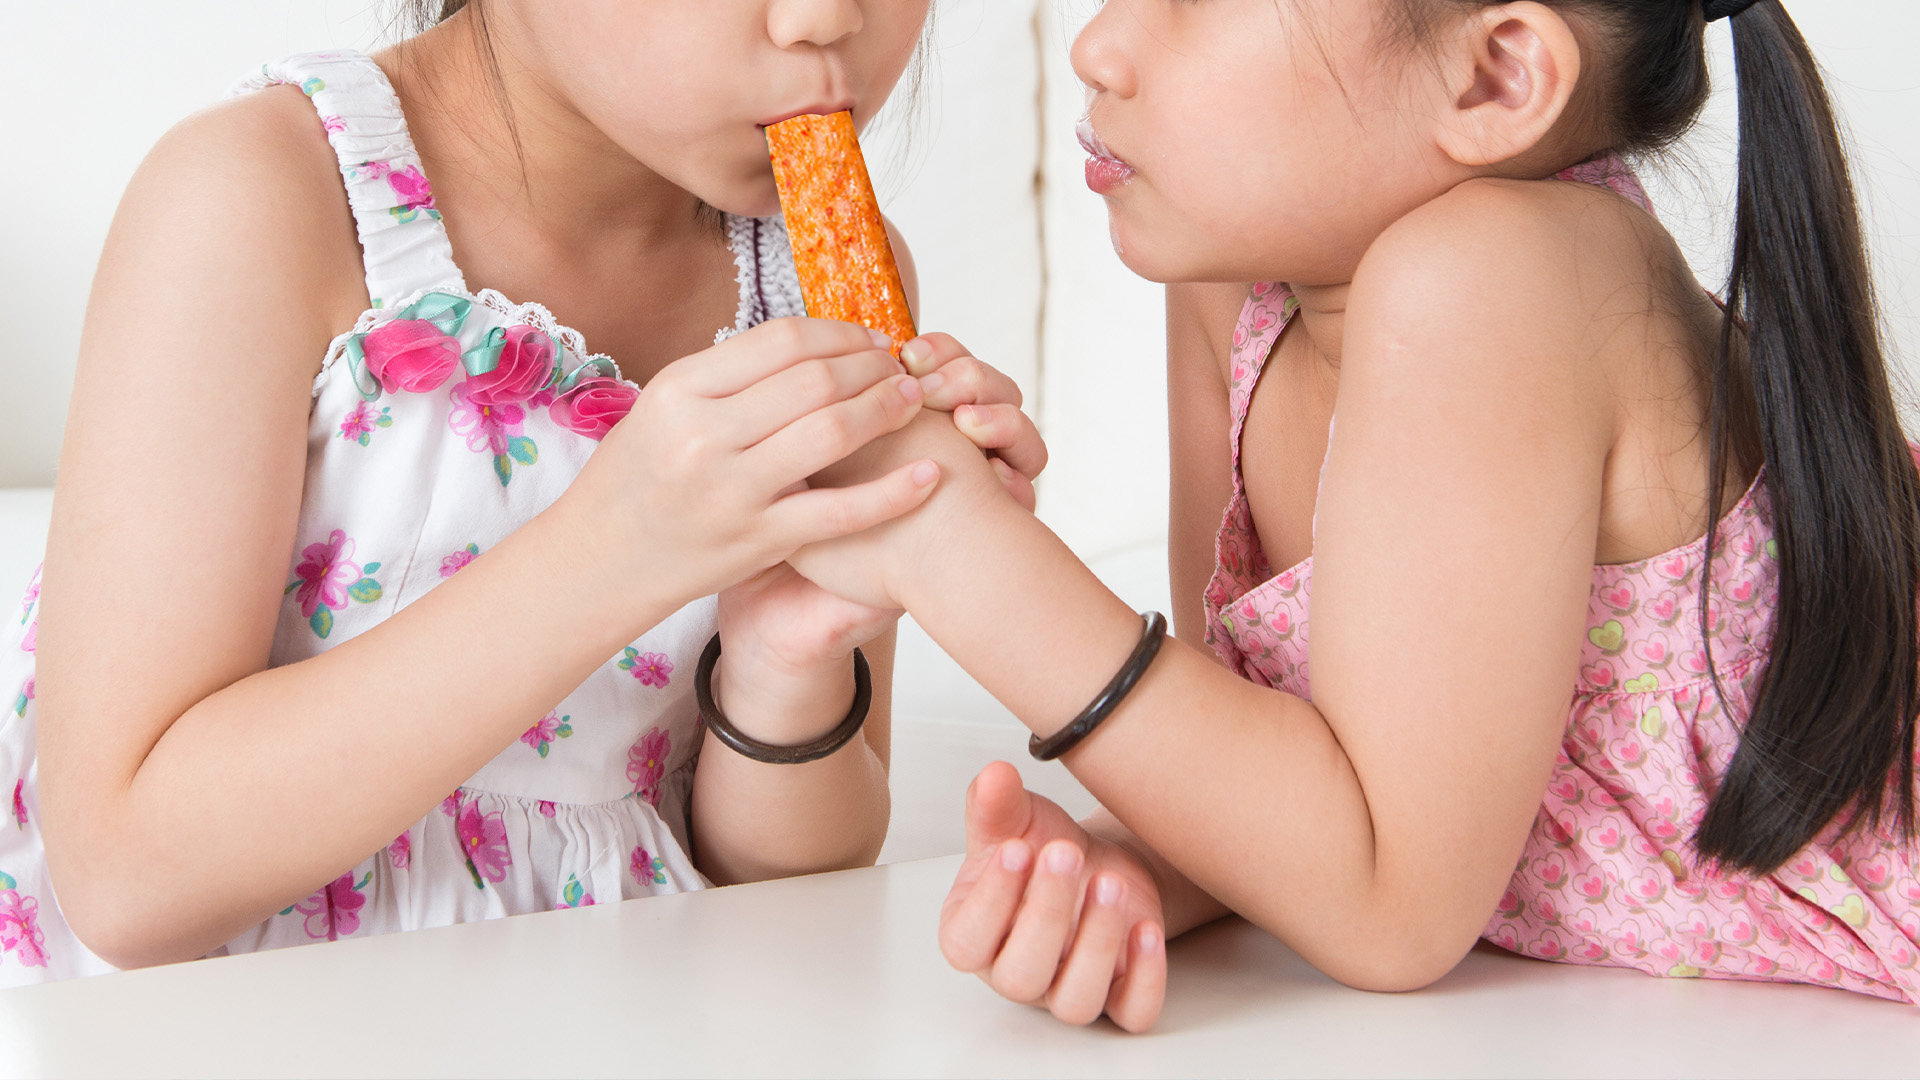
x=826, y=436
x=1135, y=1001
x=929, y=352
x=1030, y=959
x=818, y=514
x=807, y=387
x=775, y=345
x=998, y=807
x=1018, y=486
x=972, y=930
x=1079, y=994
x=968, y=381
x=1007, y=432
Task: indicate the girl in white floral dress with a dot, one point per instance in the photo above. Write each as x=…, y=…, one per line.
x=419, y=647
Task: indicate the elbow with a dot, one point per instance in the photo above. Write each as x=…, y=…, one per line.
x=1387, y=956
x=114, y=913
x=1395, y=969
x=118, y=925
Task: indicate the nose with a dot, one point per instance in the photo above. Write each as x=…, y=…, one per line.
x=813, y=22
x=1099, y=51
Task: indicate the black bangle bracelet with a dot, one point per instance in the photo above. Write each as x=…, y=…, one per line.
x=1069, y=737
x=753, y=749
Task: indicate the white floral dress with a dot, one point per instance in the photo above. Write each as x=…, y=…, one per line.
x=440, y=423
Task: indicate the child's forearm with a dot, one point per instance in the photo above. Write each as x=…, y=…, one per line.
x=1245, y=790
x=1183, y=904
x=751, y=820
x=294, y=773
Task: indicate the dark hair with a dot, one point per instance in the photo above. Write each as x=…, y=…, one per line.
x=1798, y=380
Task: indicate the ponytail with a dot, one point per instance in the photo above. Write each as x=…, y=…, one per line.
x=1833, y=722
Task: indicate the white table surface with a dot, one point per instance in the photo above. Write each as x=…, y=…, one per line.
x=839, y=975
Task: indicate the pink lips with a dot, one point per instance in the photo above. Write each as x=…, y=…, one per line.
x=1104, y=171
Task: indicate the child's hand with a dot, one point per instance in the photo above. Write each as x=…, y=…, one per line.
x=1050, y=915
x=986, y=409
x=702, y=484
x=785, y=619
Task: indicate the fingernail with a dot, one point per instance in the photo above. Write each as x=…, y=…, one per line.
x=1149, y=938
x=930, y=383
x=880, y=340
x=1106, y=890
x=1063, y=858
x=910, y=389
x=923, y=474
x=915, y=353
x=1014, y=855
x=968, y=414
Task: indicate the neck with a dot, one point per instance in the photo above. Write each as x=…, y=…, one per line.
x=517, y=150
x=1322, y=318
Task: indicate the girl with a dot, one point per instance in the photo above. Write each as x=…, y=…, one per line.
x=470, y=690
x=1613, y=628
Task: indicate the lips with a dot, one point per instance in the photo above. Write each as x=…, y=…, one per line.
x=1105, y=172
x=821, y=108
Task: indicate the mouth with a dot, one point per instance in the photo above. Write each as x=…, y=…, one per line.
x=818, y=108
x=1105, y=171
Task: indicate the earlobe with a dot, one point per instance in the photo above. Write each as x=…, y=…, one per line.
x=1516, y=67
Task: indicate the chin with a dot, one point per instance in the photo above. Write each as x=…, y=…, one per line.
x=751, y=197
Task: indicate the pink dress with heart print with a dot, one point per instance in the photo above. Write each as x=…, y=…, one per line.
x=1608, y=876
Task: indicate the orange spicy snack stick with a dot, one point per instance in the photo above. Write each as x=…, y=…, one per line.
x=840, y=243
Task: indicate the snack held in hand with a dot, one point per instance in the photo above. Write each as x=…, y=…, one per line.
x=840, y=247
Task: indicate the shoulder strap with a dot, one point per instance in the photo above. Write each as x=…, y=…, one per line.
x=402, y=241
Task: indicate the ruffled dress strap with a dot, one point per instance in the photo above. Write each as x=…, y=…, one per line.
x=402, y=240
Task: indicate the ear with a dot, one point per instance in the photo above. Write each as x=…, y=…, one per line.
x=1510, y=74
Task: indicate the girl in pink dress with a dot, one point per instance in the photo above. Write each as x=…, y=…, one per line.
x=1613, y=629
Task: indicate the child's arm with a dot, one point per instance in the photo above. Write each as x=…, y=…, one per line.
x=174, y=764
x=1373, y=828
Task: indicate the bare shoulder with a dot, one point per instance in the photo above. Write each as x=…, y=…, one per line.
x=244, y=201
x=1518, y=282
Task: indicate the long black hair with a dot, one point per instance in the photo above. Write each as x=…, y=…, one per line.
x=1799, y=381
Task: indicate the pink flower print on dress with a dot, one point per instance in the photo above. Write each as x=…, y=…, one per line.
x=335, y=910
x=416, y=195
x=547, y=808
x=400, y=852
x=450, y=805
x=362, y=422
x=413, y=355
x=646, y=869
x=332, y=124
x=20, y=802
x=652, y=669
x=647, y=763
x=492, y=429
x=523, y=366
x=483, y=838
x=541, y=735
x=20, y=933
x=32, y=639
x=593, y=406
x=33, y=593
x=458, y=561
x=327, y=578
x=574, y=895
